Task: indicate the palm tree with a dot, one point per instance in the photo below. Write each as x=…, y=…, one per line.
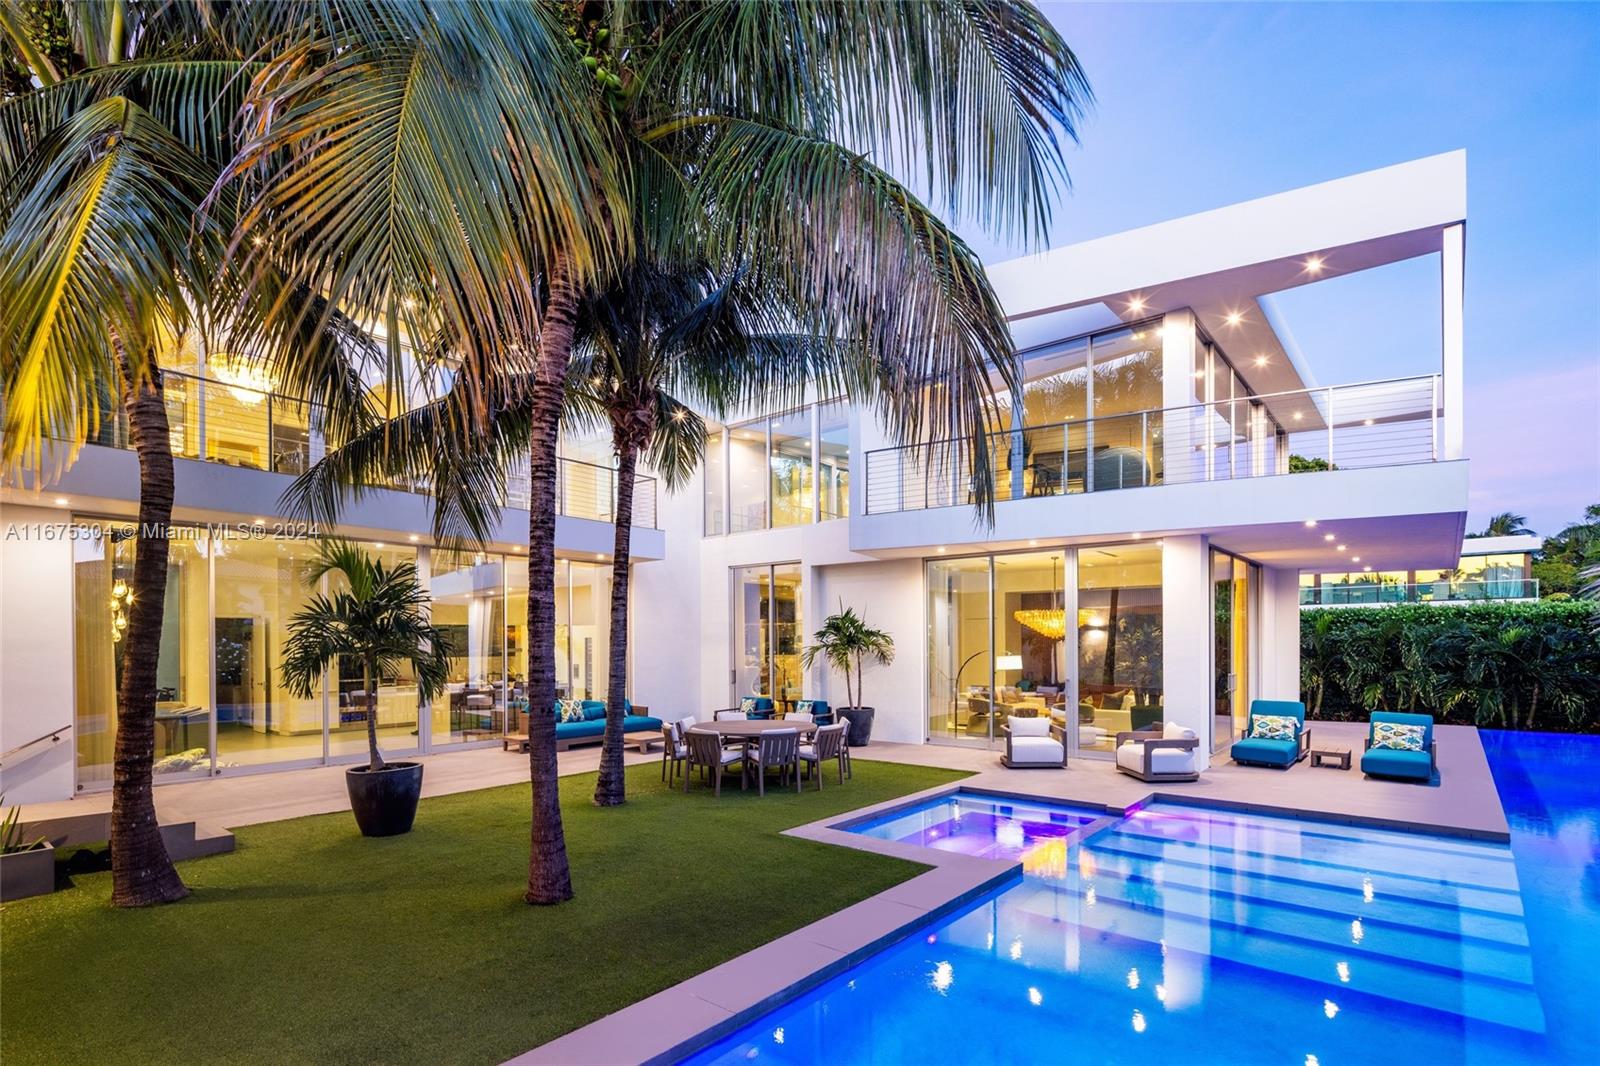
x=846, y=642
x=497, y=199
x=379, y=618
x=1506, y=524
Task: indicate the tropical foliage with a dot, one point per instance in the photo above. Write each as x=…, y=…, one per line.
x=1564, y=557
x=1504, y=524
x=846, y=643
x=1511, y=665
x=377, y=616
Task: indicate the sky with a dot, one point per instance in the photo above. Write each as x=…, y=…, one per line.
x=1202, y=105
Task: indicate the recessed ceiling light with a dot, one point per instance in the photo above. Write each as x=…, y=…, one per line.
x=1138, y=536
x=1355, y=558
x=1033, y=542
x=1327, y=536
x=1261, y=360
x=1368, y=569
x=599, y=555
x=1298, y=416
x=1339, y=547
x=377, y=544
x=941, y=549
x=413, y=538
x=1136, y=304
x=1234, y=318
x=1200, y=375
x=1311, y=523
x=1368, y=422
x=62, y=501
x=1314, y=265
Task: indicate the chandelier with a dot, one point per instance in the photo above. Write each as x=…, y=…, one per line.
x=1048, y=622
x=247, y=379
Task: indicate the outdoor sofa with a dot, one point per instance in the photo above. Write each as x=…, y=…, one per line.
x=590, y=729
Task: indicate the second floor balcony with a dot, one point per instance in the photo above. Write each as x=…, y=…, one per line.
x=255, y=429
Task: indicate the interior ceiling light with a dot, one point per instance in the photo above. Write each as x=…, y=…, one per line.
x=1049, y=622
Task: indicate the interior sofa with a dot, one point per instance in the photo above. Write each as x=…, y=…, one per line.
x=1419, y=765
x=1251, y=750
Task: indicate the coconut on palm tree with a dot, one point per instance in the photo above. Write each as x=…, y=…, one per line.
x=377, y=617
x=489, y=165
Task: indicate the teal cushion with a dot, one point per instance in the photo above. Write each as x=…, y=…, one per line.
x=581, y=728
x=594, y=709
x=1272, y=752
x=1388, y=762
x=639, y=723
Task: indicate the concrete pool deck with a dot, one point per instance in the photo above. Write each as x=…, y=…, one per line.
x=689, y=1015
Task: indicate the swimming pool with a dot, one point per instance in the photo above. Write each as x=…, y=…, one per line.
x=1180, y=934
x=971, y=823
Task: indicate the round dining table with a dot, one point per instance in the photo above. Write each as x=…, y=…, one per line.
x=750, y=728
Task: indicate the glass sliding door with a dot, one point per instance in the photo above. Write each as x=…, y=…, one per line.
x=1119, y=619
x=1233, y=584
x=1030, y=623
x=961, y=657
x=468, y=590
x=396, y=702
x=259, y=586
x=768, y=634
x=833, y=457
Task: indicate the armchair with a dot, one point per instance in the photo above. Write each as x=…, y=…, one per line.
x=1280, y=754
x=1407, y=765
x=1034, y=743
x=1167, y=754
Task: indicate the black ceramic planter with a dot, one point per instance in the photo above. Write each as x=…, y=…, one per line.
x=384, y=802
x=860, y=719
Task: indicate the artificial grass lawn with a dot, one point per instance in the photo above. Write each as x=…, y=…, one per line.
x=312, y=944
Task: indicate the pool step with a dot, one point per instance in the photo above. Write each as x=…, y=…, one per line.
x=1471, y=986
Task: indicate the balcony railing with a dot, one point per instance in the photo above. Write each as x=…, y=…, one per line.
x=1382, y=423
x=260, y=430
x=1376, y=595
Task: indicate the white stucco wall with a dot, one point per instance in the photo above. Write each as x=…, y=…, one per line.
x=36, y=664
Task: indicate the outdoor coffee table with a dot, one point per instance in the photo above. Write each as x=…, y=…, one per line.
x=1338, y=758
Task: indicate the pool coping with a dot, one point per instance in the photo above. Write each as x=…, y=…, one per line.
x=703, y=1009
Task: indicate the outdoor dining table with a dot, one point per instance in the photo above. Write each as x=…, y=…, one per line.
x=749, y=730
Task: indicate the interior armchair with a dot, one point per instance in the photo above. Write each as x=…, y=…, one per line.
x=1034, y=743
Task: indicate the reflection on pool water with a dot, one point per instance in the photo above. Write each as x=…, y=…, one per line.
x=1183, y=934
x=986, y=826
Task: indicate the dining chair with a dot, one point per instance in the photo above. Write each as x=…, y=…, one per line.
x=844, y=748
x=705, y=750
x=730, y=715
x=673, y=752
x=775, y=749
x=799, y=716
x=829, y=744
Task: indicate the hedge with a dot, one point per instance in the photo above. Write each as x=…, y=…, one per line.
x=1512, y=665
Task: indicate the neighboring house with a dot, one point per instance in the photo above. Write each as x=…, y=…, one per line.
x=1490, y=568
x=1166, y=475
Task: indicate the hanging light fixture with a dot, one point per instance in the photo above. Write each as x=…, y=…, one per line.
x=246, y=378
x=1050, y=622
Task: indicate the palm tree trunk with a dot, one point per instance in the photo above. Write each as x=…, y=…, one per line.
x=549, y=876
x=141, y=871
x=611, y=790
x=369, y=685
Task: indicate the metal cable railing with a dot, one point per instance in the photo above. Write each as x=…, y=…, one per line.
x=1383, y=423
x=256, y=429
x=1358, y=593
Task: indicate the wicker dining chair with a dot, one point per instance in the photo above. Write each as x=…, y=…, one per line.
x=705, y=751
x=775, y=749
x=828, y=744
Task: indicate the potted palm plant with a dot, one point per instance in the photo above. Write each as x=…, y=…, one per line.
x=27, y=867
x=379, y=617
x=846, y=642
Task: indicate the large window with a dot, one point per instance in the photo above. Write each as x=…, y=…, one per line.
x=996, y=627
x=782, y=471
x=833, y=460
x=793, y=497
x=747, y=478
x=1119, y=642
x=1233, y=585
x=221, y=702
x=768, y=633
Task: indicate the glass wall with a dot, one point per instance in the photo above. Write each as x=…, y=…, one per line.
x=1119, y=642
x=768, y=634
x=715, y=475
x=792, y=490
x=1233, y=583
x=996, y=626
x=747, y=479
x=229, y=603
x=259, y=585
x=469, y=608
x=833, y=460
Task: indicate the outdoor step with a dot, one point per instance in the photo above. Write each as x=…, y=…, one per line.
x=1334, y=846
x=1457, y=990
x=1429, y=907
x=1454, y=890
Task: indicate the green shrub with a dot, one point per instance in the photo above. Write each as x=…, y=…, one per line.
x=1514, y=665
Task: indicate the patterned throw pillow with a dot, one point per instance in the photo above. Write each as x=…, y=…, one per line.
x=571, y=710
x=747, y=704
x=1272, y=726
x=1396, y=736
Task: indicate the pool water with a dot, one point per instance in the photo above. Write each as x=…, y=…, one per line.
x=1180, y=934
x=974, y=824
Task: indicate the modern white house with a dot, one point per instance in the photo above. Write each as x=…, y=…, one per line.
x=1490, y=568
x=1170, y=470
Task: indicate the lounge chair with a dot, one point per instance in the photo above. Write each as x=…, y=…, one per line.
x=1256, y=748
x=819, y=711
x=705, y=751
x=1390, y=752
x=1034, y=743
x=827, y=744
x=1166, y=754
x=775, y=749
